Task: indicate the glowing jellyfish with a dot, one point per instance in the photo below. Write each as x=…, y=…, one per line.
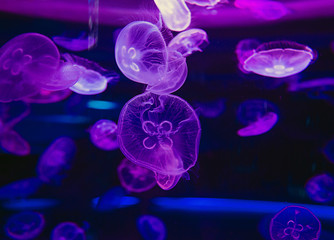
x=20, y=189
x=46, y=96
x=167, y=182
x=295, y=222
x=206, y=3
x=320, y=188
x=189, y=41
x=68, y=231
x=25, y=225
x=56, y=160
x=175, y=13
x=159, y=132
x=276, y=59
x=321, y=83
x=111, y=200
x=13, y=143
x=135, y=178
x=151, y=228
x=26, y=62
x=103, y=134
x=77, y=44
x=210, y=109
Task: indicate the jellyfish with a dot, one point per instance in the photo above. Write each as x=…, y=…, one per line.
x=320, y=188
x=295, y=222
x=111, y=200
x=56, y=159
x=26, y=62
x=46, y=96
x=159, y=132
x=175, y=13
x=210, y=109
x=25, y=225
x=262, y=125
x=68, y=231
x=103, y=135
x=276, y=59
x=167, y=182
x=206, y=3
x=189, y=41
x=328, y=151
x=151, y=227
x=322, y=83
x=77, y=44
x=135, y=178
x=20, y=189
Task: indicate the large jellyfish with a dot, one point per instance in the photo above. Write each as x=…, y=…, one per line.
x=167, y=182
x=135, y=178
x=159, y=132
x=151, y=227
x=68, y=231
x=295, y=222
x=275, y=59
x=103, y=135
x=26, y=62
x=25, y=225
x=320, y=188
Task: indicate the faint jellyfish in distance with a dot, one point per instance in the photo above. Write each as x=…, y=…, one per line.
x=206, y=3
x=20, y=189
x=103, y=135
x=320, y=188
x=151, y=228
x=68, y=231
x=25, y=225
x=210, y=109
x=77, y=44
x=46, y=96
x=328, y=151
x=295, y=222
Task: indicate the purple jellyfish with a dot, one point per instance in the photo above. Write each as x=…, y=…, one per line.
x=328, y=151
x=77, y=44
x=295, y=222
x=210, y=109
x=103, y=135
x=189, y=41
x=276, y=59
x=151, y=227
x=159, y=132
x=20, y=189
x=320, y=188
x=27, y=62
x=167, y=182
x=56, y=159
x=322, y=83
x=45, y=96
x=258, y=115
x=25, y=225
x=135, y=178
x=68, y=231
x=206, y=3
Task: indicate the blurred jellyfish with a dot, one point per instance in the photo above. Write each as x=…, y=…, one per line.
x=68, y=231
x=259, y=115
x=320, y=188
x=274, y=59
x=328, y=151
x=25, y=225
x=189, y=41
x=103, y=135
x=46, y=96
x=210, y=109
x=167, y=182
x=245, y=49
x=56, y=159
x=175, y=13
x=20, y=189
x=295, y=222
x=159, y=132
x=135, y=178
x=77, y=44
x=206, y=3
x=151, y=227
x=321, y=83
x=26, y=62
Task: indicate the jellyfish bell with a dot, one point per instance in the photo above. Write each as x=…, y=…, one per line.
x=320, y=188
x=13, y=143
x=206, y=3
x=46, y=96
x=245, y=49
x=20, y=189
x=103, y=135
x=151, y=227
x=167, y=182
x=261, y=126
x=68, y=231
x=77, y=44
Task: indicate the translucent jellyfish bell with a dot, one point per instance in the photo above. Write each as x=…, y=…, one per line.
x=103, y=134
x=295, y=222
x=278, y=59
x=151, y=228
x=135, y=178
x=20, y=189
x=320, y=188
x=141, y=52
x=12, y=142
x=206, y=3
x=167, y=182
x=46, y=96
x=159, y=132
x=68, y=231
x=26, y=62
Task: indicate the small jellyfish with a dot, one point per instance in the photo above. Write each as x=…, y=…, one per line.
x=46, y=96
x=151, y=227
x=210, y=109
x=78, y=44
x=206, y=3
x=159, y=132
x=276, y=59
x=56, y=159
x=295, y=222
x=262, y=125
x=26, y=62
x=25, y=225
x=13, y=143
x=103, y=135
x=111, y=200
x=68, y=231
x=135, y=178
x=175, y=13
x=321, y=84
x=20, y=189
x=189, y=41
x=320, y=188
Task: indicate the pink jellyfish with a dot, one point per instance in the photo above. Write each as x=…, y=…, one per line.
x=206, y=3
x=320, y=188
x=167, y=182
x=68, y=231
x=103, y=135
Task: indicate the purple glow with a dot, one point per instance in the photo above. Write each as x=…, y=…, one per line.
x=328, y=151
x=323, y=83
x=20, y=189
x=167, y=182
x=189, y=41
x=13, y=143
x=151, y=227
x=261, y=126
x=25, y=225
x=275, y=59
x=45, y=96
x=210, y=109
x=206, y=3
x=74, y=44
x=295, y=222
x=56, y=159
x=24, y=68
x=68, y=231
x=103, y=134
x=320, y=188
x=167, y=133
x=245, y=49
x=135, y=178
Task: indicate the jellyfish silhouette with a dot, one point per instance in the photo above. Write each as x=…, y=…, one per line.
x=25, y=225
x=320, y=188
x=151, y=227
x=26, y=62
x=68, y=231
x=135, y=178
x=276, y=59
x=20, y=189
x=103, y=135
x=46, y=96
x=328, y=151
x=295, y=222
x=159, y=132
